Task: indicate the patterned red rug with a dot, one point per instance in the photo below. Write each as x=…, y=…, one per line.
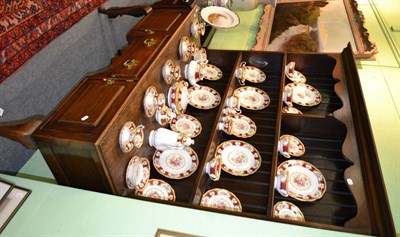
x=27, y=26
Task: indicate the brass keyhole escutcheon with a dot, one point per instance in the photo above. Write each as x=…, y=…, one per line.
x=130, y=63
x=149, y=42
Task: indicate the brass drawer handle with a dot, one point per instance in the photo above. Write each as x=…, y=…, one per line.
x=149, y=42
x=130, y=63
x=150, y=32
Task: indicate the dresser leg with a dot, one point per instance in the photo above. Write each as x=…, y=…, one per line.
x=21, y=130
x=136, y=11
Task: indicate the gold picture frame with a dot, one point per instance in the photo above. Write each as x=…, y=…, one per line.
x=169, y=233
x=344, y=23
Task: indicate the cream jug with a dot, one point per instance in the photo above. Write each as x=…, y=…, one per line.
x=165, y=139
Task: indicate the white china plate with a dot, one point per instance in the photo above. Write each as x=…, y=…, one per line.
x=304, y=94
x=296, y=147
x=211, y=72
x=252, y=98
x=186, y=124
x=220, y=17
x=137, y=173
x=149, y=101
x=157, y=189
x=288, y=211
x=176, y=163
x=204, y=97
x=253, y=74
x=295, y=76
x=303, y=181
x=238, y=158
x=221, y=199
x=240, y=126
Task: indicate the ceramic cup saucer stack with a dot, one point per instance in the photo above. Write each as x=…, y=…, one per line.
x=300, y=180
x=298, y=92
x=289, y=145
x=238, y=125
x=157, y=189
x=249, y=73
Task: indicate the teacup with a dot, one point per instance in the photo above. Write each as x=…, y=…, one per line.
x=164, y=115
x=213, y=169
x=160, y=100
x=227, y=111
x=197, y=28
x=179, y=97
x=280, y=184
x=200, y=55
x=165, y=139
x=289, y=145
x=288, y=96
x=194, y=72
x=233, y=102
x=240, y=73
x=137, y=136
x=171, y=72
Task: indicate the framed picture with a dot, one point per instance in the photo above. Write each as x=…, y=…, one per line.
x=11, y=203
x=5, y=188
x=301, y=26
x=168, y=233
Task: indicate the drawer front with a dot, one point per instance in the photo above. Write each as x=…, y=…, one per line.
x=84, y=114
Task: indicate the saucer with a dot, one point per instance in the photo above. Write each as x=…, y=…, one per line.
x=176, y=163
x=252, y=98
x=220, y=17
x=186, y=124
x=130, y=136
x=204, y=97
x=238, y=158
x=184, y=51
x=303, y=181
x=240, y=126
x=288, y=211
x=295, y=146
x=149, y=101
x=211, y=72
x=293, y=75
x=221, y=199
x=157, y=189
x=137, y=173
x=304, y=94
x=291, y=110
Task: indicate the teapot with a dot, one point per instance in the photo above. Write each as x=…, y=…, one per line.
x=165, y=139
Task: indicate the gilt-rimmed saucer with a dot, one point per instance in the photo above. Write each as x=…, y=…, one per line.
x=252, y=98
x=157, y=189
x=288, y=211
x=221, y=199
x=211, y=72
x=238, y=158
x=204, y=97
x=176, y=163
x=149, y=103
x=238, y=125
x=186, y=124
